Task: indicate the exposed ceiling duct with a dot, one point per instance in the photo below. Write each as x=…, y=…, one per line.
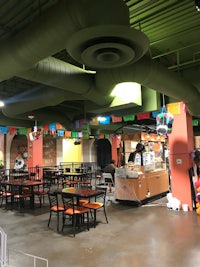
x=152, y=74
x=105, y=44
x=52, y=32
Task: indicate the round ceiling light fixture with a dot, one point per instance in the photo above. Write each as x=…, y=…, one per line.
x=107, y=46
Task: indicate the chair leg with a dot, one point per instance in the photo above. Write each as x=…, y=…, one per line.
x=104, y=208
x=76, y=221
x=74, y=224
x=40, y=200
x=88, y=221
x=49, y=219
x=2, y=199
x=95, y=218
x=57, y=222
x=6, y=202
x=63, y=222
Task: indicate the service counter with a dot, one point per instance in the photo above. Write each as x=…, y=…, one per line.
x=142, y=186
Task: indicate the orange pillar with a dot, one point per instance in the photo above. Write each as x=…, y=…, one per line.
x=35, y=153
x=114, y=146
x=181, y=145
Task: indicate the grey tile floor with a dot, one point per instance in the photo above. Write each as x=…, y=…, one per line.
x=145, y=236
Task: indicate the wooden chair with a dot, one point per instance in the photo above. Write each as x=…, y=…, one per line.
x=98, y=203
x=74, y=211
x=55, y=207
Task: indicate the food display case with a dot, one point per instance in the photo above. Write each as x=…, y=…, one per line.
x=144, y=174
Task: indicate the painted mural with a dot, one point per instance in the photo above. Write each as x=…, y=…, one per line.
x=19, y=153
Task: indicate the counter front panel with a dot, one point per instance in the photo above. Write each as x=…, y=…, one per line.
x=145, y=186
x=131, y=188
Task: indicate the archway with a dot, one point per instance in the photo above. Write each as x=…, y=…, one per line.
x=104, y=154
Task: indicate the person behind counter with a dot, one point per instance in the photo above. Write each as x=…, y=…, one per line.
x=139, y=149
x=110, y=168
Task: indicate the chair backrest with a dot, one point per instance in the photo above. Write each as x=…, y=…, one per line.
x=16, y=189
x=69, y=201
x=85, y=186
x=101, y=197
x=53, y=199
x=47, y=185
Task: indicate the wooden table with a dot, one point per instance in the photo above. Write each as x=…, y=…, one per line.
x=18, y=175
x=81, y=193
x=23, y=183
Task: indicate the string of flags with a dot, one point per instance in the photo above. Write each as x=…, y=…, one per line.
x=83, y=126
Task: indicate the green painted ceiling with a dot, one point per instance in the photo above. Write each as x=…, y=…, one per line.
x=35, y=78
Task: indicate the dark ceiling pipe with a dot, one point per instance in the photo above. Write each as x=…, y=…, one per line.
x=47, y=116
x=152, y=74
x=50, y=32
x=36, y=97
x=146, y=71
x=45, y=37
x=57, y=73
x=14, y=122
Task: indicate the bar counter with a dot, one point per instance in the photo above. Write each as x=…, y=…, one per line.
x=142, y=186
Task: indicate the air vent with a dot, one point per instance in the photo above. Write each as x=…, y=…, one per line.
x=107, y=46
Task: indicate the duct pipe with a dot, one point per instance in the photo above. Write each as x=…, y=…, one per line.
x=147, y=72
x=35, y=99
x=46, y=116
x=151, y=74
x=68, y=27
x=50, y=32
x=69, y=23
x=14, y=122
x=57, y=73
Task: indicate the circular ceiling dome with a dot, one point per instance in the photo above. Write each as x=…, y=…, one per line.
x=108, y=46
